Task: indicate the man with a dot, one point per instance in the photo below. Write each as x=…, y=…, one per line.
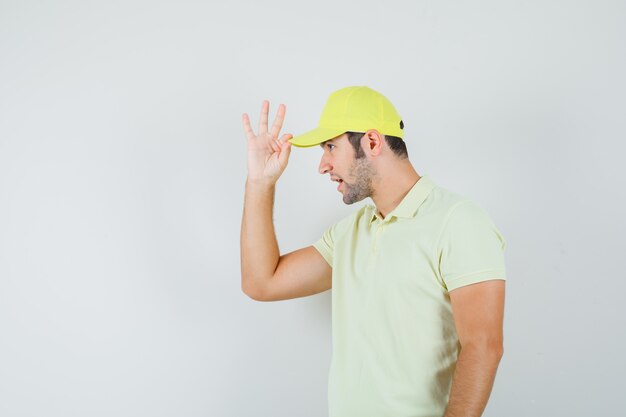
x=417, y=278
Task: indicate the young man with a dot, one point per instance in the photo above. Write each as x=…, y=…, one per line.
x=417, y=278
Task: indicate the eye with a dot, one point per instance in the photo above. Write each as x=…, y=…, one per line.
x=329, y=145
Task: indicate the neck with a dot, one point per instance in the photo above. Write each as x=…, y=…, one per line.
x=392, y=186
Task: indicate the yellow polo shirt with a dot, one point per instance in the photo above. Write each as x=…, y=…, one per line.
x=395, y=344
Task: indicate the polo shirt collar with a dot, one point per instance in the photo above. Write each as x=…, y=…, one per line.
x=410, y=203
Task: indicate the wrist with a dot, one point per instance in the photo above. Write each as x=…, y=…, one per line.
x=260, y=183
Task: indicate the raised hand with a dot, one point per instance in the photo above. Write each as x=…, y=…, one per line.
x=267, y=154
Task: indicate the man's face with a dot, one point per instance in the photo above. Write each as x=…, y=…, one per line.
x=355, y=175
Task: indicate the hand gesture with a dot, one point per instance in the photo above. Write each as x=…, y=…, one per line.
x=267, y=155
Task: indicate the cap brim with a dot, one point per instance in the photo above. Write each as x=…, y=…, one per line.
x=315, y=137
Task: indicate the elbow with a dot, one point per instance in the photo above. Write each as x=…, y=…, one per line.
x=245, y=288
x=252, y=295
x=497, y=352
x=251, y=291
x=496, y=349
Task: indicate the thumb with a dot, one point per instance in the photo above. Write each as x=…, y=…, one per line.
x=285, y=148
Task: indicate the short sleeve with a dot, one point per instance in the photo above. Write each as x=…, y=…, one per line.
x=471, y=248
x=326, y=245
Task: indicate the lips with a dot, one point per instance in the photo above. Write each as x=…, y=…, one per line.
x=339, y=180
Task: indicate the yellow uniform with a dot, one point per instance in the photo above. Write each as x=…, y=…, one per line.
x=395, y=344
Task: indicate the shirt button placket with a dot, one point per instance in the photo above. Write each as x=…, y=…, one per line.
x=379, y=228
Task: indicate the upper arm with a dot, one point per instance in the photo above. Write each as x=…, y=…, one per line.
x=478, y=311
x=470, y=247
x=300, y=273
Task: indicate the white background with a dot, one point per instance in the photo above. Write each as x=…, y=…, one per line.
x=122, y=171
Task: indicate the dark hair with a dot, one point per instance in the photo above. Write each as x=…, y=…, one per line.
x=395, y=143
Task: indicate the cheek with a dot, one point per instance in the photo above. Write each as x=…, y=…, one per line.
x=347, y=165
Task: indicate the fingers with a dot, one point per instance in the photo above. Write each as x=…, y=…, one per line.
x=278, y=145
x=284, y=141
x=246, y=126
x=265, y=109
x=283, y=157
x=274, y=145
x=278, y=121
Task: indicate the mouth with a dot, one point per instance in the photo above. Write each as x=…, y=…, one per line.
x=340, y=183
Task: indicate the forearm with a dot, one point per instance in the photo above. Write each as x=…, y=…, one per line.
x=472, y=382
x=259, y=248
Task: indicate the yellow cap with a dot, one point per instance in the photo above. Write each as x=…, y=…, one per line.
x=353, y=109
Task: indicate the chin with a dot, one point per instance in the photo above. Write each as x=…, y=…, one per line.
x=347, y=200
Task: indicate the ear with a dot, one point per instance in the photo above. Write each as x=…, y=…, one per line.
x=374, y=142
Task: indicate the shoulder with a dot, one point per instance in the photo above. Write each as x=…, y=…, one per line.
x=457, y=213
x=467, y=222
x=442, y=202
x=467, y=211
x=451, y=203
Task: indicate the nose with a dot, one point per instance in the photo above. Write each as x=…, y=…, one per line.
x=325, y=165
